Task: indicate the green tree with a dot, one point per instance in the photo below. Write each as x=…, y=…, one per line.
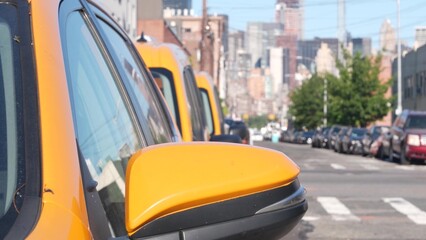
x=257, y=121
x=307, y=103
x=357, y=96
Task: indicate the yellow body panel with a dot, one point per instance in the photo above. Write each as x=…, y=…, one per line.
x=168, y=57
x=157, y=186
x=205, y=82
x=63, y=199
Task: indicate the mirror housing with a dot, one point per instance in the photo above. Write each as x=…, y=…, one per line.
x=209, y=190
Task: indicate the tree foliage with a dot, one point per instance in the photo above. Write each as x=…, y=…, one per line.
x=307, y=103
x=257, y=121
x=356, y=97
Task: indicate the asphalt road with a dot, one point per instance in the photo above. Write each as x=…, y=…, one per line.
x=355, y=197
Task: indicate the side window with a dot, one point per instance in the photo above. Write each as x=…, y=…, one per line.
x=164, y=80
x=219, y=110
x=397, y=121
x=402, y=120
x=207, y=110
x=106, y=134
x=197, y=116
x=147, y=102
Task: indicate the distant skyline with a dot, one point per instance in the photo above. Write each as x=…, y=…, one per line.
x=363, y=17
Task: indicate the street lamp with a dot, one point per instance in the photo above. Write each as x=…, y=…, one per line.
x=325, y=102
x=399, y=106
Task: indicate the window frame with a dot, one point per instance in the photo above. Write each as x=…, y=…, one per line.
x=175, y=106
x=205, y=96
x=100, y=15
x=98, y=220
x=29, y=127
x=194, y=96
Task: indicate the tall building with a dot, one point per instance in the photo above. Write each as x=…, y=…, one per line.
x=125, y=14
x=289, y=43
x=290, y=14
x=387, y=37
x=420, y=38
x=307, y=50
x=260, y=36
x=413, y=79
x=235, y=59
x=341, y=21
x=362, y=45
x=188, y=30
x=325, y=60
x=178, y=4
x=276, y=63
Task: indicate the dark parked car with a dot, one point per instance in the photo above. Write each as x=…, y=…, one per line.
x=339, y=139
x=318, y=138
x=372, y=134
x=306, y=137
x=295, y=136
x=331, y=136
x=380, y=146
x=285, y=136
x=408, y=141
x=239, y=128
x=351, y=142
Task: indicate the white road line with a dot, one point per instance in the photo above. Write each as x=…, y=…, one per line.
x=336, y=209
x=310, y=218
x=370, y=167
x=337, y=166
x=403, y=206
x=308, y=166
x=409, y=168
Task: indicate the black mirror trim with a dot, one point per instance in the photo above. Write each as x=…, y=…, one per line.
x=216, y=213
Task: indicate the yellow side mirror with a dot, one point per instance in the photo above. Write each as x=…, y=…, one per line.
x=173, y=187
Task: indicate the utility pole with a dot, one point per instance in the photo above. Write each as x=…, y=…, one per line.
x=341, y=20
x=206, y=53
x=399, y=106
x=325, y=102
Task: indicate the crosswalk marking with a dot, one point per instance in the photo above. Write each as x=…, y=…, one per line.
x=415, y=214
x=337, y=166
x=308, y=166
x=310, y=218
x=339, y=212
x=370, y=167
x=409, y=168
x=336, y=209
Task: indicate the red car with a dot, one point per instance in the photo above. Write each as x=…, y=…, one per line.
x=408, y=141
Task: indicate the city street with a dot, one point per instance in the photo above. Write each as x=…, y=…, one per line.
x=355, y=197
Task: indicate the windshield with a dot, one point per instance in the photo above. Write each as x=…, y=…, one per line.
x=358, y=132
x=416, y=121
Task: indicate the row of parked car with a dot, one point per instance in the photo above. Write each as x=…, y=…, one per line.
x=403, y=142
x=293, y=136
x=99, y=140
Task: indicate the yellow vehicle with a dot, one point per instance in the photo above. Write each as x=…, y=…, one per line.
x=211, y=103
x=174, y=76
x=88, y=149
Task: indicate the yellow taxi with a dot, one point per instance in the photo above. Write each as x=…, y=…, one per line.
x=211, y=103
x=89, y=150
x=174, y=76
